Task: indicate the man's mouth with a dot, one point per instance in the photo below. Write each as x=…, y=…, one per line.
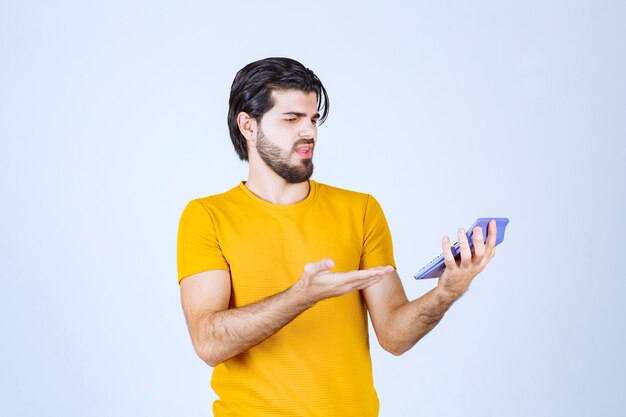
x=304, y=151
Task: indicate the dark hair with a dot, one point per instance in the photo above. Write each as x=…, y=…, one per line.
x=252, y=88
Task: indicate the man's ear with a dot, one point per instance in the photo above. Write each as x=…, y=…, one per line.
x=247, y=126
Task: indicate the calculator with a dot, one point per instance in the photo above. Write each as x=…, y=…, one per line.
x=435, y=268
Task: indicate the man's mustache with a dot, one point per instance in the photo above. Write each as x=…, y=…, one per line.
x=303, y=142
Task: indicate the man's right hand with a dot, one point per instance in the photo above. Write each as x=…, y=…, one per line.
x=219, y=332
x=318, y=283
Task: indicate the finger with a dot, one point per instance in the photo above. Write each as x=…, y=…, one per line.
x=369, y=283
x=479, y=243
x=383, y=268
x=448, y=259
x=364, y=274
x=317, y=267
x=466, y=252
x=492, y=233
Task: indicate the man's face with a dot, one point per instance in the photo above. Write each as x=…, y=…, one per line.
x=287, y=135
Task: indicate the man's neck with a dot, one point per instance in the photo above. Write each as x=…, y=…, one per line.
x=276, y=190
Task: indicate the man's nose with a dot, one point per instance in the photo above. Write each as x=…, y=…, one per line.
x=307, y=130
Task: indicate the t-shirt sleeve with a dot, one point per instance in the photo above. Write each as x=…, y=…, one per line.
x=198, y=248
x=377, y=244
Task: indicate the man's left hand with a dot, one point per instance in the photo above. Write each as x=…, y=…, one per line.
x=459, y=273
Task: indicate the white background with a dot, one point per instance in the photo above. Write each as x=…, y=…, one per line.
x=113, y=117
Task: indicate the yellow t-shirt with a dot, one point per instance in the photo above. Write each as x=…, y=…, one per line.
x=319, y=364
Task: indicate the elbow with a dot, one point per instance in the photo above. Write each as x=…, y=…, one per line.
x=395, y=350
x=397, y=345
x=211, y=361
x=209, y=356
x=394, y=347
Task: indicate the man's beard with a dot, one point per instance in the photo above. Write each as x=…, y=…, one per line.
x=280, y=162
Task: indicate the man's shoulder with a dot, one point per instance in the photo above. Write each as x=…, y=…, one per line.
x=330, y=191
x=217, y=200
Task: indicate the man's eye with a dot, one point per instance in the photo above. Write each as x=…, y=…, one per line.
x=291, y=119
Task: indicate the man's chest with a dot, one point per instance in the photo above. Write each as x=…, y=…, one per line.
x=267, y=253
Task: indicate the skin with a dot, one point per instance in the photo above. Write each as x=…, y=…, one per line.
x=219, y=332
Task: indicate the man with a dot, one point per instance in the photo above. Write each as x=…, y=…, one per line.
x=277, y=275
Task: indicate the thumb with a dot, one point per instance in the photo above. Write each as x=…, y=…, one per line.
x=317, y=267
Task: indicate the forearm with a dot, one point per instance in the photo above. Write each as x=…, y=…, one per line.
x=412, y=321
x=224, y=334
x=219, y=333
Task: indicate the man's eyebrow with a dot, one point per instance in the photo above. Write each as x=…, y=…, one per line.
x=300, y=114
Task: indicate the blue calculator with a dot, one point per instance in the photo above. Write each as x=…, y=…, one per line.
x=435, y=268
